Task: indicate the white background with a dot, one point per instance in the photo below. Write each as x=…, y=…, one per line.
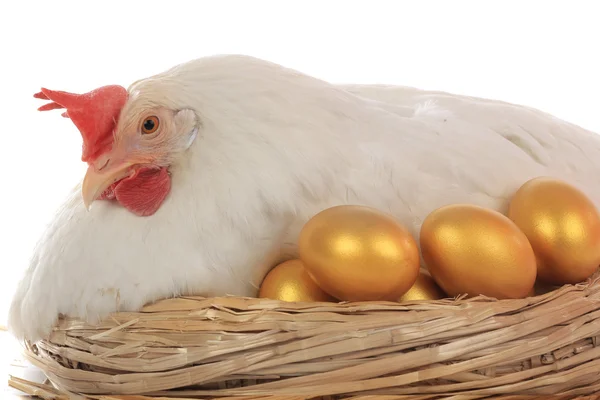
x=540, y=53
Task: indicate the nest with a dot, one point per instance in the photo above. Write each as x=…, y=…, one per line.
x=194, y=347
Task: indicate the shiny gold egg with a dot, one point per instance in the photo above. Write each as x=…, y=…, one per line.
x=357, y=253
x=289, y=281
x=424, y=288
x=563, y=227
x=473, y=250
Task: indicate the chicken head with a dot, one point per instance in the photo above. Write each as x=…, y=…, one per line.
x=128, y=153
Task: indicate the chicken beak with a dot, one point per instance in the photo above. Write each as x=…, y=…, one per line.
x=97, y=181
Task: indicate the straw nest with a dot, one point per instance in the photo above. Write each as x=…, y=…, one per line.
x=193, y=347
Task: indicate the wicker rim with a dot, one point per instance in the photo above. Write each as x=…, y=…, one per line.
x=230, y=346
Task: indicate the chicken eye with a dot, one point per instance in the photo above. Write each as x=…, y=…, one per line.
x=150, y=125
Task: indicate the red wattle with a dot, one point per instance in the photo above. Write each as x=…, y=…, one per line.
x=142, y=193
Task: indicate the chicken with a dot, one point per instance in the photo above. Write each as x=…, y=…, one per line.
x=204, y=174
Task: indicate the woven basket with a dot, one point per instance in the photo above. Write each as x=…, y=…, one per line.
x=194, y=347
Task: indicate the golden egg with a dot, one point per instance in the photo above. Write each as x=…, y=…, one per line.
x=563, y=227
x=289, y=281
x=473, y=250
x=424, y=288
x=357, y=253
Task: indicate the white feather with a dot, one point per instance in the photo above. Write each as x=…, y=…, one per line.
x=274, y=148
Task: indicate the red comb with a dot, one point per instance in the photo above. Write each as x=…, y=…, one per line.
x=94, y=113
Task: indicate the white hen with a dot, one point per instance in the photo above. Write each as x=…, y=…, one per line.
x=253, y=151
